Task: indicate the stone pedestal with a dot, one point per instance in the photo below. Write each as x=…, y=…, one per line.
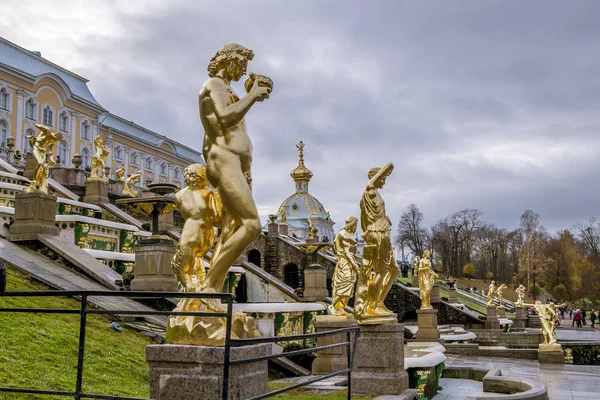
x=414, y=281
x=492, y=321
x=179, y=372
x=379, y=361
x=273, y=229
x=315, y=283
x=427, y=322
x=521, y=318
x=551, y=354
x=34, y=214
x=501, y=311
x=96, y=191
x=435, y=295
x=165, y=223
x=336, y=359
x=452, y=295
x=283, y=229
x=30, y=164
x=153, y=266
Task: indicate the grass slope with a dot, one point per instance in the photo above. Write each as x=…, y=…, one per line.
x=39, y=351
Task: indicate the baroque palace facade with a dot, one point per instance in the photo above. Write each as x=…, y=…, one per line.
x=34, y=90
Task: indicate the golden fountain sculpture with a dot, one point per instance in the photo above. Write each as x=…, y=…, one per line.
x=120, y=173
x=500, y=293
x=379, y=267
x=99, y=160
x=43, y=151
x=520, y=296
x=426, y=280
x=491, y=293
x=228, y=153
x=130, y=182
x=346, y=268
x=547, y=314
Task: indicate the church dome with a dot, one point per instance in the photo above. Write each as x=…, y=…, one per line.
x=302, y=206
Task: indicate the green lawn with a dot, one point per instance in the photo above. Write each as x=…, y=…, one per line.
x=39, y=351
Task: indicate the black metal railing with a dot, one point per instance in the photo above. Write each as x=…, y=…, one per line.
x=226, y=298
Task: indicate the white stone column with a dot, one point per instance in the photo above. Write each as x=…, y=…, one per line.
x=20, y=115
x=74, y=135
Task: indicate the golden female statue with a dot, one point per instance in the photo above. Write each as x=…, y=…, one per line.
x=42, y=145
x=520, y=296
x=379, y=267
x=426, y=280
x=312, y=231
x=547, y=314
x=490, y=295
x=201, y=209
x=500, y=293
x=129, y=182
x=120, y=173
x=228, y=153
x=346, y=268
x=99, y=159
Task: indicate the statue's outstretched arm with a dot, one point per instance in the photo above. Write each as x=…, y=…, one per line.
x=382, y=174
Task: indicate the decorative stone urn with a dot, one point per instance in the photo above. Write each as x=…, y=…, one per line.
x=77, y=160
x=10, y=142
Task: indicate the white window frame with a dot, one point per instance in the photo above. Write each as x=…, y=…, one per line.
x=84, y=124
x=6, y=135
x=48, y=107
x=5, y=94
x=64, y=117
x=119, y=153
x=66, y=152
x=31, y=104
x=149, y=164
x=85, y=157
x=133, y=159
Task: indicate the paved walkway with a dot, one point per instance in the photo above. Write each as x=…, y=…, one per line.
x=564, y=382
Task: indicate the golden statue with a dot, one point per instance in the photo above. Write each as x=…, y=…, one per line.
x=129, y=182
x=120, y=173
x=346, y=268
x=500, y=293
x=99, y=159
x=520, y=296
x=416, y=262
x=547, y=314
x=228, y=154
x=201, y=209
x=283, y=216
x=379, y=267
x=490, y=295
x=312, y=231
x=42, y=147
x=426, y=280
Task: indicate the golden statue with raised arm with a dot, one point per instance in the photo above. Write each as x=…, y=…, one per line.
x=201, y=209
x=426, y=280
x=346, y=268
x=490, y=295
x=520, y=296
x=99, y=159
x=379, y=267
x=547, y=314
x=42, y=147
x=120, y=173
x=130, y=182
x=500, y=293
x=228, y=153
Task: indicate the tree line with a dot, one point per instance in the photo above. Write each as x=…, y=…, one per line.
x=566, y=264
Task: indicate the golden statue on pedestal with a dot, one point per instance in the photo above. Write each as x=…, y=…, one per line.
x=120, y=173
x=99, y=159
x=346, y=268
x=129, y=182
x=547, y=314
x=312, y=231
x=490, y=295
x=426, y=280
x=201, y=209
x=500, y=293
x=42, y=147
x=379, y=267
x=228, y=153
x=520, y=296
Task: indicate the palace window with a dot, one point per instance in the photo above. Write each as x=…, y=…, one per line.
x=85, y=130
x=62, y=153
x=3, y=133
x=176, y=173
x=64, y=122
x=134, y=158
x=30, y=109
x=48, y=117
x=85, y=157
x=4, y=99
x=163, y=169
x=118, y=153
x=28, y=132
x=149, y=163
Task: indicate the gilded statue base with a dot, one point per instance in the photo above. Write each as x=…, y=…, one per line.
x=209, y=331
x=34, y=214
x=97, y=178
x=428, y=325
x=551, y=354
x=377, y=319
x=336, y=359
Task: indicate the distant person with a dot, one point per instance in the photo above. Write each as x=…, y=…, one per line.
x=570, y=311
x=583, y=315
x=577, y=319
x=593, y=317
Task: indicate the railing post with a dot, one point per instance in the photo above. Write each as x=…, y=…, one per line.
x=349, y=355
x=2, y=277
x=80, y=355
x=227, y=352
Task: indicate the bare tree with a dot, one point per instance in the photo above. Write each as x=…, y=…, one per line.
x=530, y=224
x=589, y=238
x=411, y=233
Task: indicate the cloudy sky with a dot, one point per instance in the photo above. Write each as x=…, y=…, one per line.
x=480, y=104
